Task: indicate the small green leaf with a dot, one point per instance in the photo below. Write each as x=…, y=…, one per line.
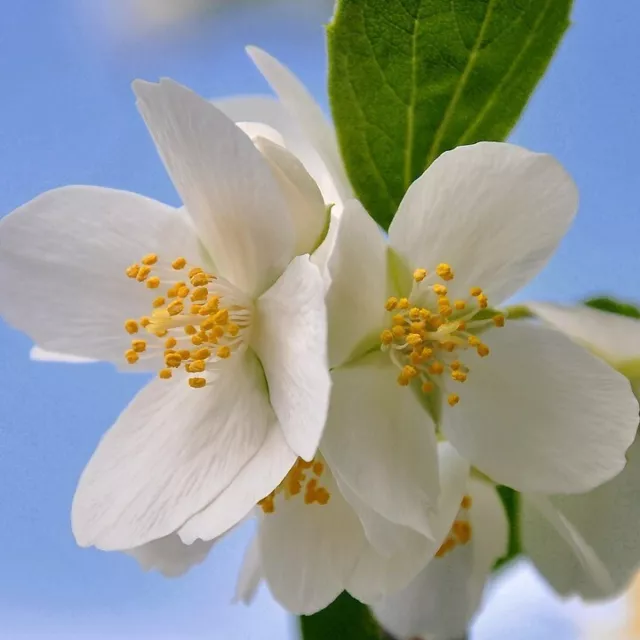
x=511, y=501
x=614, y=306
x=410, y=79
x=343, y=619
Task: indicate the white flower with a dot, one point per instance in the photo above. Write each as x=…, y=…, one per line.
x=211, y=296
x=439, y=603
x=606, y=520
x=415, y=342
x=316, y=539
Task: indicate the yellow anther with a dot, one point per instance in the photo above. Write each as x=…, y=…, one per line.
x=453, y=399
x=414, y=339
x=195, y=309
x=415, y=358
x=445, y=312
x=217, y=331
x=201, y=354
x=197, y=340
x=391, y=304
x=436, y=322
x=459, y=304
x=158, y=302
x=436, y=368
x=419, y=275
x=170, y=343
x=449, y=346
x=466, y=503
x=426, y=353
x=318, y=468
x=165, y=374
x=223, y=352
x=197, y=366
x=200, y=293
x=482, y=350
x=172, y=292
x=175, y=308
x=398, y=320
x=190, y=330
x=161, y=333
x=475, y=291
x=425, y=314
x=398, y=331
x=409, y=371
x=153, y=283
x=139, y=346
x=462, y=325
x=183, y=292
x=197, y=383
x=414, y=313
x=440, y=290
x=403, y=303
x=143, y=272
x=482, y=300
x=131, y=326
x=455, y=365
x=444, y=271
x=403, y=380
x=210, y=307
x=185, y=354
x=131, y=356
x=132, y=271
x=144, y=321
x=221, y=317
x=195, y=271
x=207, y=324
x=427, y=387
x=448, y=545
x=498, y=320
x=462, y=531
x=417, y=327
x=233, y=329
x=267, y=505
x=459, y=376
x=149, y=259
x=443, y=301
x=179, y=263
x=474, y=341
x=173, y=360
x=199, y=279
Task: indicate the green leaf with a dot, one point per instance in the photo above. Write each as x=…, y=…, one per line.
x=614, y=306
x=345, y=618
x=410, y=79
x=511, y=501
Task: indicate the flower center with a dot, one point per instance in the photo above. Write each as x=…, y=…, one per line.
x=426, y=338
x=460, y=533
x=198, y=322
x=304, y=480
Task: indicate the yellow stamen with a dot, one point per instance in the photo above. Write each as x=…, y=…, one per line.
x=158, y=302
x=498, y=320
x=165, y=374
x=143, y=272
x=427, y=387
x=175, y=308
x=475, y=291
x=459, y=376
x=131, y=326
x=223, y=352
x=197, y=383
x=139, y=346
x=153, y=283
x=170, y=343
x=436, y=368
x=482, y=350
x=403, y=303
x=391, y=304
x=453, y=399
x=459, y=304
x=149, y=259
x=444, y=271
x=419, y=275
x=131, y=356
x=179, y=263
x=132, y=271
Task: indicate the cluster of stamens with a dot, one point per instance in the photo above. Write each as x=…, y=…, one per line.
x=303, y=478
x=196, y=321
x=460, y=533
x=426, y=338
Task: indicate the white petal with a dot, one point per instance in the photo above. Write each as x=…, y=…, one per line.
x=541, y=413
x=171, y=452
x=306, y=205
x=226, y=185
x=309, y=551
x=291, y=341
x=494, y=211
x=444, y=596
x=613, y=337
x=273, y=114
x=259, y=477
x=42, y=355
x=607, y=519
x=257, y=130
x=358, y=272
x=170, y=556
x=381, y=442
x=250, y=574
x=62, y=262
x=299, y=103
x=378, y=573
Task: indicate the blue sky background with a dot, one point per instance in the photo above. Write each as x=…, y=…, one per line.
x=67, y=116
